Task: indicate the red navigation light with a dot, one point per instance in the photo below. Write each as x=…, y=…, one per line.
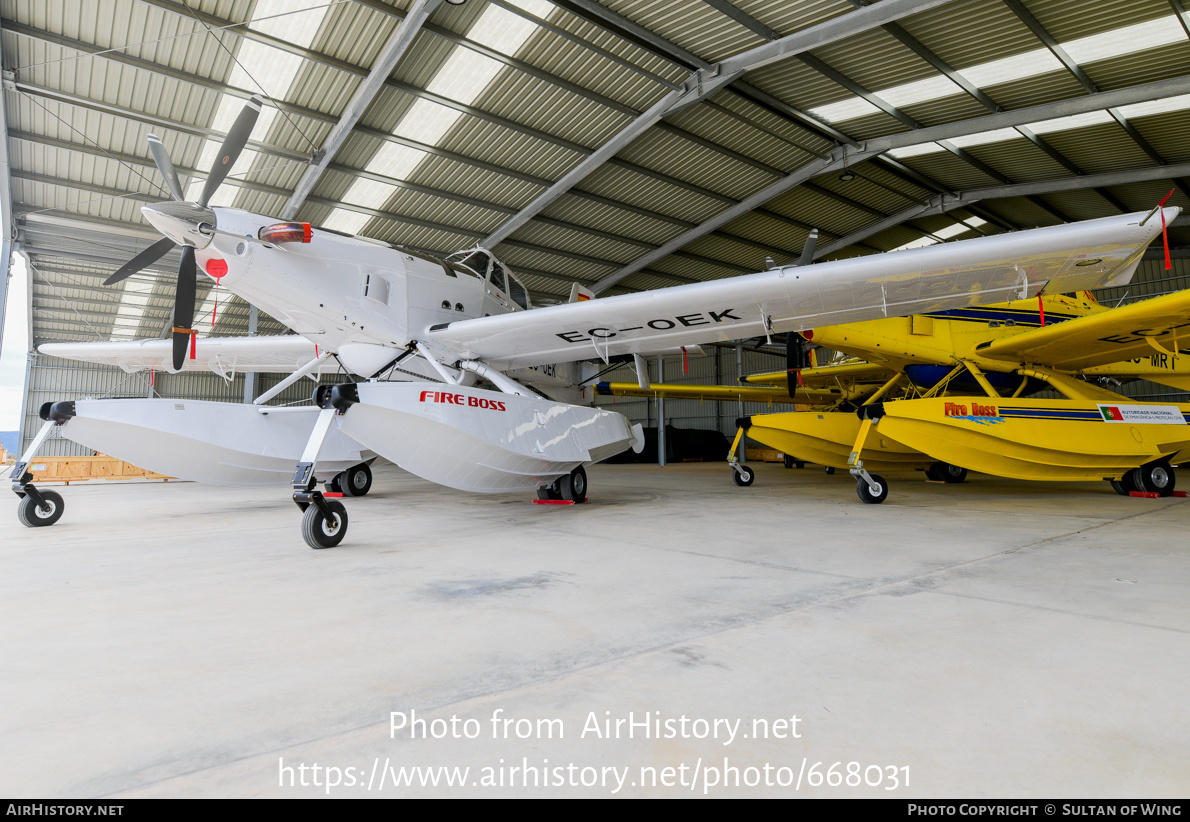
x=217, y=267
x=286, y=233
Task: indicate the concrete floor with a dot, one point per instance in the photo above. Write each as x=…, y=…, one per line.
x=995, y=639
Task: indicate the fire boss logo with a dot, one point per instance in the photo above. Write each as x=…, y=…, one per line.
x=661, y=324
x=461, y=399
x=982, y=414
x=954, y=409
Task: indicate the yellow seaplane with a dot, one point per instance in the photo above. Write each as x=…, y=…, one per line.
x=954, y=390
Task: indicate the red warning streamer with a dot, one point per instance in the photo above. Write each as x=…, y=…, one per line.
x=193, y=345
x=1164, y=232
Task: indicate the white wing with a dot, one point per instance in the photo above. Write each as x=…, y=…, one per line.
x=222, y=355
x=1059, y=259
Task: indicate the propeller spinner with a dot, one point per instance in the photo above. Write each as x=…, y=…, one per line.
x=188, y=224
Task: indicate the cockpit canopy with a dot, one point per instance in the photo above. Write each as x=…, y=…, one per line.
x=483, y=264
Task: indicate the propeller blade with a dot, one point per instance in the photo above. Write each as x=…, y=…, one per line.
x=147, y=257
x=808, y=250
x=229, y=152
x=184, y=306
x=797, y=357
x=166, y=167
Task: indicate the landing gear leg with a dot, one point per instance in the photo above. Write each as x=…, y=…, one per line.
x=36, y=508
x=324, y=522
x=742, y=475
x=871, y=488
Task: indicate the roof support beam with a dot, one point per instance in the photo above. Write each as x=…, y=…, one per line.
x=133, y=160
x=395, y=49
x=1042, y=34
x=7, y=232
x=703, y=82
x=871, y=148
x=964, y=199
x=320, y=116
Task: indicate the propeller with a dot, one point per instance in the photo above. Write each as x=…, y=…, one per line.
x=166, y=167
x=192, y=214
x=147, y=257
x=808, y=250
x=797, y=357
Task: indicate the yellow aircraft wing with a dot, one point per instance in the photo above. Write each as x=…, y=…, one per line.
x=828, y=375
x=1160, y=326
x=743, y=393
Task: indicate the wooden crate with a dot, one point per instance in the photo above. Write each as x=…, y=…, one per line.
x=77, y=469
x=765, y=455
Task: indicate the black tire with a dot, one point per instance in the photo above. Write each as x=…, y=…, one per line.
x=830, y=469
x=952, y=473
x=578, y=484
x=355, y=481
x=547, y=492
x=573, y=486
x=317, y=532
x=789, y=461
x=1123, y=486
x=1157, y=476
x=866, y=494
x=932, y=473
x=31, y=514
x=744, y=477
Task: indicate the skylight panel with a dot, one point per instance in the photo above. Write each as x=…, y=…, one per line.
x=133, y=302
x=1105, y=45
x=427, y=122
x=463, y=77
x=1150, y=34
x=1182, y=101
x=369, y=193
x=843, y=110
x=1090, y=118
x=930, y=88
x=260, y=66
x=985, y=137
x=349, y=222
x=504, y=31
x=1008, y=69
x=945, y=233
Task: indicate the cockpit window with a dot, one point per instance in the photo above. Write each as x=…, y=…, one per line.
x=476, y=260
x=498, y=276
x=517, y=291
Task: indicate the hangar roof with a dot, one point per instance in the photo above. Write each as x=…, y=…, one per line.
x=626, y=144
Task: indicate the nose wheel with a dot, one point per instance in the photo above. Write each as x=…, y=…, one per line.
x=35, y=513
x=872, y=490
x=325, y=525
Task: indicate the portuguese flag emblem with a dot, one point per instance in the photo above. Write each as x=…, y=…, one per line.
x=1111, y=413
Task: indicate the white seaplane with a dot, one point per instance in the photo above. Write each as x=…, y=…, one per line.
x=459, y=382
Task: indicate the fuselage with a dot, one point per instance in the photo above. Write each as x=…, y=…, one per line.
x=363, y=299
